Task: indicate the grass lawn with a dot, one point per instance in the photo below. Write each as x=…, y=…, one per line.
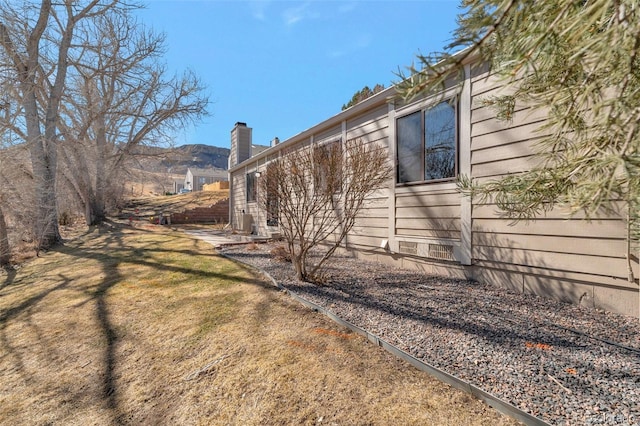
x=144, y=325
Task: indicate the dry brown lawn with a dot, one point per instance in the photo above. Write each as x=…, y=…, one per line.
x=144, y=325
x=153, y=204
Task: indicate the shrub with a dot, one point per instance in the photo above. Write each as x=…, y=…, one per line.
x=280, y=254
x=65, y=218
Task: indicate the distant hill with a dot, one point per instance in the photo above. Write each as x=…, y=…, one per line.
x=151, y=170
x=177, y=160
x=154, y=169
x=198, y=155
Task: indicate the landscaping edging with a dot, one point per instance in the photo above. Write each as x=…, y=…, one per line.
x=491, y=400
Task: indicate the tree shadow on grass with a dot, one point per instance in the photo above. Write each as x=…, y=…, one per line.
x=12, y=313
x=508, y=322
x=10, y=277
x=112, y=251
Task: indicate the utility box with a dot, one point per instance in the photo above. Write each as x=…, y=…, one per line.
x=245, y=222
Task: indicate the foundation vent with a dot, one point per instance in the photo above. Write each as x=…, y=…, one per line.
x=441, y=251
x=408, y=247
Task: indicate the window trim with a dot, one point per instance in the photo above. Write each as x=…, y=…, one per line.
x=272, y=204
x=253, y=190
x=327, y=144
x=422, y=107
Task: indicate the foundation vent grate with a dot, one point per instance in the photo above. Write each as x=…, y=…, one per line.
x=408, y=247
x=441, y=251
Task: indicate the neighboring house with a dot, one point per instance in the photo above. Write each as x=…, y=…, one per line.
x=178, y=184
x=422, y=221
x=197, y=178
x=257, y=149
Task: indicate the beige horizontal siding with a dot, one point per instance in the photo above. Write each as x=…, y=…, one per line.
x=372, y=135
x=569, y=262
x=370, y=231
x=481, y=113
x=373, y=124
x=420, y=199
x=429, y=233
x=601, y=279
x=431, y=223
x=553, y=255
x=364, y=241
x=500, y=168
x=419, y=212
x=554, y=227
x=508, y=135
x=520, y=118
x=239, y=188
x=503, y=152
x=376, y=115
x=330, y=133
x=491, y=211
x=428, y=211
x=375, y=208
x=553, y=244
x=553, y=247
x=372, y=222
x=487, y=81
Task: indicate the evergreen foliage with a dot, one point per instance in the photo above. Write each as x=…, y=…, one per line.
x=577, y=60
x=363, y=94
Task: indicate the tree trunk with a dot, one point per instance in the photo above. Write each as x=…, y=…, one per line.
x=298, y=265
x=42, y=147
x=5, y=249
x=77, y=175
x=101, y=178
x=46, y=212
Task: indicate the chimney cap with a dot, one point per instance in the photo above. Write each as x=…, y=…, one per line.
x=241, y=124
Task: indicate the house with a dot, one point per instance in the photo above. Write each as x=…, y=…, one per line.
x=422, y=221
x=197, y=178
x=178, y=185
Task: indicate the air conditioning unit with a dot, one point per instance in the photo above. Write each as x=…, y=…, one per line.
x=245, y=222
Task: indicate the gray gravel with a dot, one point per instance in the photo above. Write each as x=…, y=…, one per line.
x=565, y=364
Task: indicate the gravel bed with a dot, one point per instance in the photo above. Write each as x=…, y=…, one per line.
x=565, y=364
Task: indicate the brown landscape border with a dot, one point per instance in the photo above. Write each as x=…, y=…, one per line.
x=488, y=398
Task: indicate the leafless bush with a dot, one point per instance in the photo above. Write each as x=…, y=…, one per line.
x=316, y=192
x=280, y=254
x=65, y=218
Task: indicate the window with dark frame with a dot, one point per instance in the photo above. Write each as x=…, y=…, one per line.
x=251, y=187
x=328, y=163
x=273, y=208
x=427, y=144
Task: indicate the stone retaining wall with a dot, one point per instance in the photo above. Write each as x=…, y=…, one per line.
x=216, y=213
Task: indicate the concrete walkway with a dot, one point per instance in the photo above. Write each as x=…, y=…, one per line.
x=217, y=237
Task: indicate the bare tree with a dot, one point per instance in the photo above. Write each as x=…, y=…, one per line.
x=317, y=193
x=121, y=99
x=15, y=198
x=41, y=76
x=5, y=250
x=15, y=183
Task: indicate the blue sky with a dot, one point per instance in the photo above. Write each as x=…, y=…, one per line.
x=284, y=66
